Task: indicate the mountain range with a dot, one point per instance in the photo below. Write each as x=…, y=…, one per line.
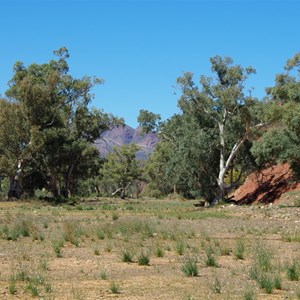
x=125, y=135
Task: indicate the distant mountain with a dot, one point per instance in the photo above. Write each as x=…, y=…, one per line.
x=121, y=135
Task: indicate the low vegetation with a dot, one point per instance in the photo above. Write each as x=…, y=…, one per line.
x=197, y=256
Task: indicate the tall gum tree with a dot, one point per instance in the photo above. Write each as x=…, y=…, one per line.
x=222, y=101
x=61, y=126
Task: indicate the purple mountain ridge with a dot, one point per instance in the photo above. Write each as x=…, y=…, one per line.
x=125, y=135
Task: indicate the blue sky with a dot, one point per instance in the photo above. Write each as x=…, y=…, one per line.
x=140, y=47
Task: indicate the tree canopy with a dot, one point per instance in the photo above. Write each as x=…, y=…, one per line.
x=48, y=129
x=52, y=127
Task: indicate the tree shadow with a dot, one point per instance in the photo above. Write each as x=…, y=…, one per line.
x=268, y=190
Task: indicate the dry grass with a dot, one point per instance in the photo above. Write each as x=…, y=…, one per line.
x=66, y=252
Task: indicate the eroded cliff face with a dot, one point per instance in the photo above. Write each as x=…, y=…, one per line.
x=266, y=186
x=121, y=135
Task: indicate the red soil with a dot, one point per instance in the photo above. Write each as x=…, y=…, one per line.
x=266, y=186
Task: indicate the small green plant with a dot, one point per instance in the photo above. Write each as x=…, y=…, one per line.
x=249, y=295
x=159, y=252
x=32, y=288
x=12, y=289
x=266, y=282
x=108, y=247
x=263, y=258
x=103, y=274
x=96, y=252
x=216, y=286
x=239, y=251
x=277, y=282
x=43, y=264
x=190, y=268
x=293, y=271
x=100, y=234
x=57, y=245
x=114, y=288
x=115, y=216
x=180, y=247
x=143, y=259
x=210, y=260
x=126, y=256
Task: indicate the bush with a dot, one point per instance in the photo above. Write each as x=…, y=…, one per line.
x=143, y=259
x=114, y=288
x=211, y=260
x=239, y=251
x=293, y=272
x=126, y=256
x=190, y=268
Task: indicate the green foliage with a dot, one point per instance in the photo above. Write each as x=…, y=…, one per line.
x=190, y=268
x=127, y=256
x=216, y=286
x=210, y=259
x=210, y=136
x=57, y=246
x=159, y=251
x=47, y=128
x=281, y=143
x=293, y=271
x=143, y=259
x=180, y=247
x=239, y=251
x=121, y=169
x=148, y=121
x=12, y=289
x=103, y=274
x=114, y=288
x=249, y=295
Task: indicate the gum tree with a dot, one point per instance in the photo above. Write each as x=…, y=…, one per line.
x=60, y=125
x=221, y=101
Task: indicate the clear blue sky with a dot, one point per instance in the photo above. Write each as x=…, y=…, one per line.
x=140, y=47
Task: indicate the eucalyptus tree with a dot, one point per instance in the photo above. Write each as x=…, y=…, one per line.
x=122, y=169
x=60, y=125
x=14, y=136
x=221, y=102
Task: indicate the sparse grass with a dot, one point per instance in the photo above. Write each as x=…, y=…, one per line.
x=100, y=234
x=127, y=256
x=12, y=289
x=190, y=268
x=180, y=247
x=216, y=286
x=20, y=229
x=115, y=216
x=57, y=246
x=239, y=251
x=143, y=259
x=32, y=289
x=159, y=251
x=114, y=288
x=263, y=270
x=210, y=261
x=103, y=274
x=277, y=282
x=72, y=232
x=186, y=238
x=293, y=272
x=249, y=295
x=291, y=236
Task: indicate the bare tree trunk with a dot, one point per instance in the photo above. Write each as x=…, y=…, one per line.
x=53, y=184
x=15, y=190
